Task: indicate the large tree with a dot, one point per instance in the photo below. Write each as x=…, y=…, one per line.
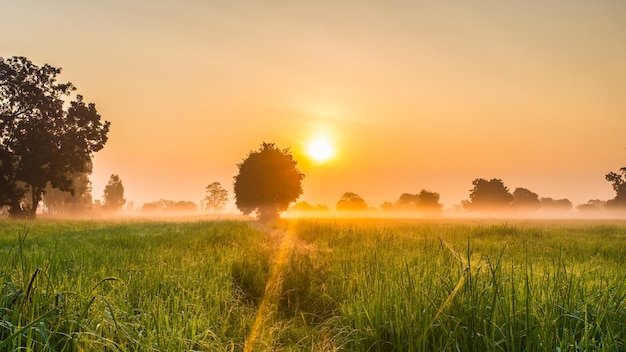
x=619, y=185
x=44, y=137
x=268, y=181
x=489, y=196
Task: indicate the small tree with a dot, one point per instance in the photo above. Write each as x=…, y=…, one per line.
x=351, y=201
x=268, y=181
x=114, y=194
x=216, y=197
x=619, y=185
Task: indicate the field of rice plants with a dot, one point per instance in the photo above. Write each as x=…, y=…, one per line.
x=313, y=285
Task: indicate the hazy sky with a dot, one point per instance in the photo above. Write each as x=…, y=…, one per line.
x=414, y=94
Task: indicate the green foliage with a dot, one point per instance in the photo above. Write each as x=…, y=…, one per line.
x=43, y=140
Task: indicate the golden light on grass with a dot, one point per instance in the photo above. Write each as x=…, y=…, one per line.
x=272, y=291
x=320, y=149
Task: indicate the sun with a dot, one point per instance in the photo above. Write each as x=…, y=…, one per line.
x=320, y=150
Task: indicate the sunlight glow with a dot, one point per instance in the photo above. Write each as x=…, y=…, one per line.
x=320, y=150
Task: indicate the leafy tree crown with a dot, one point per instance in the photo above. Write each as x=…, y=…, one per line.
x=268, y=181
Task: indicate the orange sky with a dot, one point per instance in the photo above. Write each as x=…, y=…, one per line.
x=415, y=94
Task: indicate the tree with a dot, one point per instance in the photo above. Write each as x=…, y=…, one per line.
x=268, y=181
x=43, y=139
x=216, y=197
x=619, y=185
x=170, y=206
x=114, y=194
x=592, y=205
x=524, y=199
x=351, y=201
x=425, y=202
x=429, y=203
x=550, y=204
x=304, y=206
x=488, y=196
x=407, y=201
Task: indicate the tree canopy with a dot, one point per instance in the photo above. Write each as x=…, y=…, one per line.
x=425, y=202
x=114, y=194
x=618, y=182
x=525, y=199
x=488, y=196
x=216, y=197
x=44, y=137
x=268, y=181
x=351, y=201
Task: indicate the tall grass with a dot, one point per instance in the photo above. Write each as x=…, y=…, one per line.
x=423, y=287
x=377, y=285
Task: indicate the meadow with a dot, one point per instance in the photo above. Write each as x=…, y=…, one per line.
x=313, y=285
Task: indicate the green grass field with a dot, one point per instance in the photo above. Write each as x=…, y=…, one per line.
x=313, y=285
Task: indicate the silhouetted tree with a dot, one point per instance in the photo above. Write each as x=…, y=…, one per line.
x=304, y=206
x=268, y=181
x=407, y=201
x=488, y=196
x=216, y=197
x=388, y=206
x=43, y=140
x=425, y=202
x=351, y=201
x=592, y=205
x=113, y=194
x=549, y=204
x=428, y=203
x=524, y=199
x=321, y=207
x=170, y=206
x=619, y=185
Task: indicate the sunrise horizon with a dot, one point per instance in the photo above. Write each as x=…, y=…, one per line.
x=375, y=99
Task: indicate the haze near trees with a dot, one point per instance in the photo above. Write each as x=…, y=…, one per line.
x=43, y=139
x=114, y=194
x=619, y=185
x=268, y=181
x=216, y=197
x=351, y=201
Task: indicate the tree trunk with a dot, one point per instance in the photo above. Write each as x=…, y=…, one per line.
x=268, y=213
x=35, y=198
